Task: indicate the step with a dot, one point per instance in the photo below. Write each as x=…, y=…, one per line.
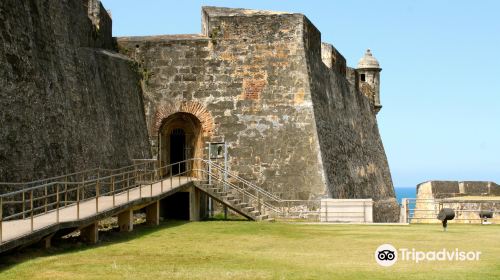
x=262, y=217
x=248, y=208
x=212, y=191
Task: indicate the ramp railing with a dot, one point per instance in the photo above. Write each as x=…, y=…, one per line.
x=425, y=210
x=30, y=200
x=27, y=201
x=262, y=200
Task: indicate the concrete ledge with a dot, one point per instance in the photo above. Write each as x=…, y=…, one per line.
x=346, y=210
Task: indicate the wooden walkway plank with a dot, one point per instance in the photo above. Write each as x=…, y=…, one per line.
x=15, y=229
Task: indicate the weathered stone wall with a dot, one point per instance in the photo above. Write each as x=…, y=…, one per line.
x=467, y=198
x=101, y=31
x=68, y=101
x=250, y=73
x=447, y=189
x=351, y=148
x=441, y=189
x=294, y=125
x=479, y=188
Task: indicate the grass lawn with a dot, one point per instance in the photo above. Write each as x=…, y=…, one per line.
x=250, y=250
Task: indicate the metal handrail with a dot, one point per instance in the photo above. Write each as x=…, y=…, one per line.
x=80, y=186
x=270, y=195
x=48, y=179
x=68, y=183
x=413, y=214
x=243, y=192
x=58, y=192
x=452, y=199
x=91, y=170
x=85, y=183
x=253, y=186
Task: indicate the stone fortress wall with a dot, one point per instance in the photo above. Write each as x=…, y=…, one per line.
x=291, y=112
x=252, y=79
x=68, y=100
x=264, y=83
x=466, y=197
x=353, y=155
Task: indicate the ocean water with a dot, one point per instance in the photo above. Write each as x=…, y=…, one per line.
x=405, y=192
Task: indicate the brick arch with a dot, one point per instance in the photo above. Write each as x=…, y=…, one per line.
x=163, y=111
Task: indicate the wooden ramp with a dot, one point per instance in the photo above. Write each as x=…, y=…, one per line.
x=38, y=210
x=25, y=231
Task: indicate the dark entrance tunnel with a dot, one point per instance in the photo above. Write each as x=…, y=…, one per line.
x=178, y=150
x=175, y=207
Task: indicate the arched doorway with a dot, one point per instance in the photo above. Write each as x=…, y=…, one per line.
x=180, y=138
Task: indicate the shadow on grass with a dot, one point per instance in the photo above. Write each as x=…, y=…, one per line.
x=74, y=244
x=106, y=238
x=230, y=217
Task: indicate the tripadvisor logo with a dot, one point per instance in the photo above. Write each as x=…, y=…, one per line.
x=388, y=255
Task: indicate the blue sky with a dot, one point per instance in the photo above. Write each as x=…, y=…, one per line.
x=440, y=84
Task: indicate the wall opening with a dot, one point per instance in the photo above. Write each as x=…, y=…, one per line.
x=180, y=139
x=363, y=77
x=179, y=151
x=175, y=206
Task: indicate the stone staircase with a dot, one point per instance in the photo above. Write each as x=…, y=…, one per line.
x=235, y=200
x=240, y=195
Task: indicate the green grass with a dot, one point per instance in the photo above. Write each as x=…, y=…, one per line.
x=250, y=250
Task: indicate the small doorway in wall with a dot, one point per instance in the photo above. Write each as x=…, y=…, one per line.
x=177, y=150
x=180, y=139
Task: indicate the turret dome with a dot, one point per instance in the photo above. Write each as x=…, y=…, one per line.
x=368, y=61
